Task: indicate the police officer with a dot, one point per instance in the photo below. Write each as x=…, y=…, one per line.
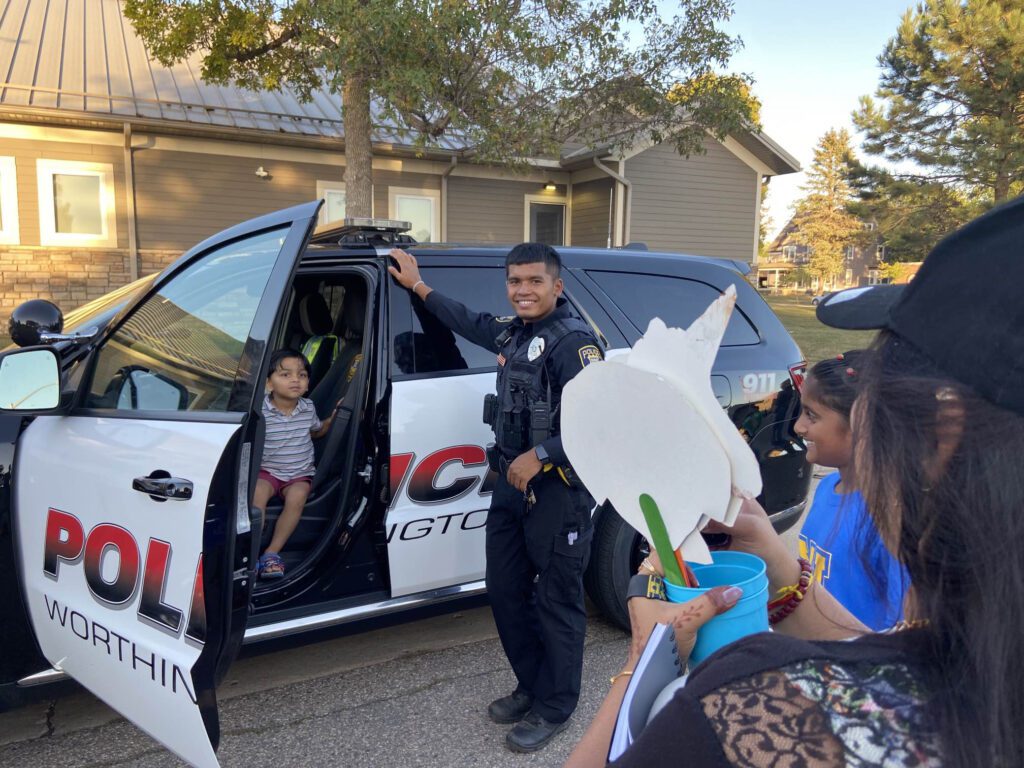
x=538, y=527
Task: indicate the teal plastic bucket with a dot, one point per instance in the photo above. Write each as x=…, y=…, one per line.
x=748, y=616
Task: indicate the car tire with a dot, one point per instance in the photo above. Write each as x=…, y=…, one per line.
x=617, y=552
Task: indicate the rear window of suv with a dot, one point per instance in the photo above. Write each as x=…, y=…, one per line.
x=676, y=300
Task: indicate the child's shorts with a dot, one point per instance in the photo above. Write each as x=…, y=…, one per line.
x=279, y=484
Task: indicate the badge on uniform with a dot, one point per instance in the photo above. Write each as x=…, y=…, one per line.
x=589, y=354
x=536, y=348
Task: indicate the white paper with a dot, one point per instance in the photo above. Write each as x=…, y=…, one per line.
x=657, y=667
x=628, y=432
x=649, y=422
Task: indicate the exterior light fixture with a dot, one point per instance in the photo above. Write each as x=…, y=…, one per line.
x=262, y=172
x=550, y=186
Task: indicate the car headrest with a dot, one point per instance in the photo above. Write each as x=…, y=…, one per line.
x=315, y=315
x=353, y=314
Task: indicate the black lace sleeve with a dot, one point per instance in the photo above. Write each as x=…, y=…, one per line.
x=767, y=721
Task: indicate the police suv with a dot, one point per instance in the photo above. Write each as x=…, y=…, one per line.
x=130, y=441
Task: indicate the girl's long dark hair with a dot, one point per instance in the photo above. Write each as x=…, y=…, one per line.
x=837, y=380
x=836, y=383
x=960, y=533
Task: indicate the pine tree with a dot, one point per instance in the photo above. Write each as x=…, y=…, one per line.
x=822, y=219
x=911, y=215
x=951, y=95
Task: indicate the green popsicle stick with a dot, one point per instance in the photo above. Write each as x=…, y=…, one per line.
x=660, y=540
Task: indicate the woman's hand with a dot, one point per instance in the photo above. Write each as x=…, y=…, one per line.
x=753, y=532
x=685, y=618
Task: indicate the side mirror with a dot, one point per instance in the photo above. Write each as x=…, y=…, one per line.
x=33, y=318
x=30, y=380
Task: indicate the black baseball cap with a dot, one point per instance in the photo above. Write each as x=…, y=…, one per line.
x=964, y=309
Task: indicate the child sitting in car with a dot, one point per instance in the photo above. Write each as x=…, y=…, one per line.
x=287, y=466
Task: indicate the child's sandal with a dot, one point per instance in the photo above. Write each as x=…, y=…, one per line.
x=271, y=566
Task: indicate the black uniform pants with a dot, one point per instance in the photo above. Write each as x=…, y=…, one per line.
x=535, y=561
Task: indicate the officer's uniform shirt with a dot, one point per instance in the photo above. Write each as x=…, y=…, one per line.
x=571, y=354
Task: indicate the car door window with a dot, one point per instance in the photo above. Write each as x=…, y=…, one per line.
x=677, y=301
x=422, y=344
x=180, y=349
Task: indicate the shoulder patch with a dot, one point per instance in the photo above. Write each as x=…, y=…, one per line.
x=589, y=354
x=505, y=319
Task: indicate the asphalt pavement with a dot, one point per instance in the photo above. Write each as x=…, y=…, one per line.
x=322, y=705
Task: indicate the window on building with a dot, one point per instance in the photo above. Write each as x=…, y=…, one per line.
x=8, y=202
x=880, y=252
x=421, y=208
x=333, y=195
x=545, y=219
x=789, y=252
x=875, y=278
x=870, y=226
x=76, y=203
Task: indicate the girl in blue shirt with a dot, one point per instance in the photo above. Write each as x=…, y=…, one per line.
x=838, y=536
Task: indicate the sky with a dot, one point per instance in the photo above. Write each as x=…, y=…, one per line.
x=811, y=62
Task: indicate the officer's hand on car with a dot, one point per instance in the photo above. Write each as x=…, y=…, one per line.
x=405, y=270
x=523, y=470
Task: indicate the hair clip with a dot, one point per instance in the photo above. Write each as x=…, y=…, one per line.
x=850, y=372
x=840, y=357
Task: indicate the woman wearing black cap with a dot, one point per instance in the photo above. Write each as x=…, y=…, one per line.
x=939, y=441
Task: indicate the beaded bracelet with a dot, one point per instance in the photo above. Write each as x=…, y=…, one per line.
x=790, y=597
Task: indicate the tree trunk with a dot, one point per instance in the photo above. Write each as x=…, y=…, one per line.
x=1001, y=188
x=358, y=149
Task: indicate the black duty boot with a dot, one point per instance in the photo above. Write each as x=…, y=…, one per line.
x=511, y=708
x=533, y=733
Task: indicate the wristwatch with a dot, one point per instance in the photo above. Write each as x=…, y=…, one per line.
x=646, y=585
x=542, y=454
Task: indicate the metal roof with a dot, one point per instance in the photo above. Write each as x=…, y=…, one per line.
x=83, y=56
x=759, y=144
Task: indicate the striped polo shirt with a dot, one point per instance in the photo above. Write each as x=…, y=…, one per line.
x=288, y=445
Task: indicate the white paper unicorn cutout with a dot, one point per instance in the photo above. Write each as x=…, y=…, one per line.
x=648, y=422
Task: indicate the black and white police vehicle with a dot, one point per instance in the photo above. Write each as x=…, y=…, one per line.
x=130, y=441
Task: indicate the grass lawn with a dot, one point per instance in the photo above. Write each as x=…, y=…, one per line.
x=817, y=341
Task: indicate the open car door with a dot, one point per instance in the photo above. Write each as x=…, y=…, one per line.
x=132, y=503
